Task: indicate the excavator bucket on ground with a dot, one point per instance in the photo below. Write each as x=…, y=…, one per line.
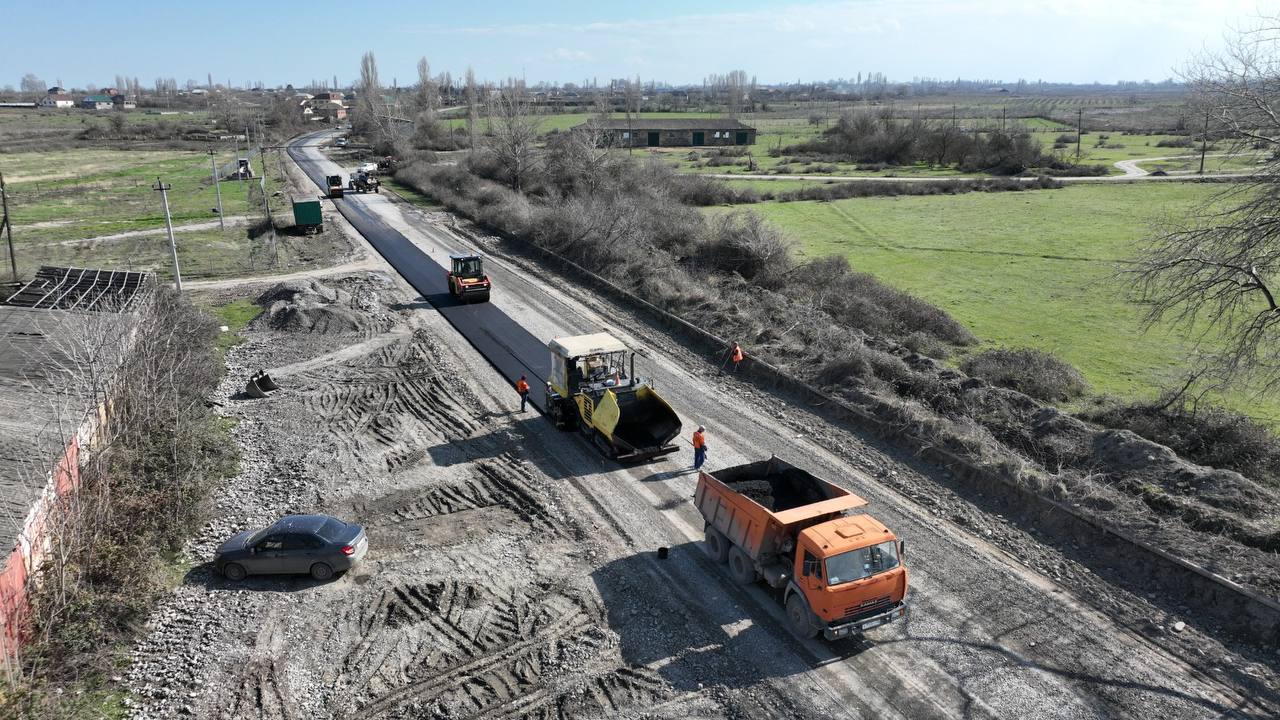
x=260, y=384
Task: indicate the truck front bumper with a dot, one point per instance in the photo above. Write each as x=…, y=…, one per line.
x=861, y=625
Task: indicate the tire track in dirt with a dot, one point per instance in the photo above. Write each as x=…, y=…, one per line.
x=390, y=405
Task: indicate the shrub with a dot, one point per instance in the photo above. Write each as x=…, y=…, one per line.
x=743, y=243
x=1209, y=436
x=1182, y=141
x=1036, y=373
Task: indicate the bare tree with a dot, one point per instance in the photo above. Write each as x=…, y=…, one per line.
x=32, y=84
x=428, y=93
x=1214, y=274
x=514, y=141
x=736, y=86
x=374, y=107
x=631, y=104
x=471, y=92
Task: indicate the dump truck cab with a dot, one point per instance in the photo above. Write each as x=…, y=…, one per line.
x=850, y=571
x=467, y=279
x=594, y=388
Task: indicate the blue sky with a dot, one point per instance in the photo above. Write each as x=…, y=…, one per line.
x=279, y=42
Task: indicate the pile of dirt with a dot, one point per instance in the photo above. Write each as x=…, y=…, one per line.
x=312, y=306
x=782, y=490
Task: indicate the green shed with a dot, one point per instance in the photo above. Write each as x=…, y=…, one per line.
x=307, y=216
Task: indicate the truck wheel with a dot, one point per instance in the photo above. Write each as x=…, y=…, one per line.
x=741, y=567
x=717, y=545
x=800, y=617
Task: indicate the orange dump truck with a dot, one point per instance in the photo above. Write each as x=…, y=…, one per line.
x=837, y=573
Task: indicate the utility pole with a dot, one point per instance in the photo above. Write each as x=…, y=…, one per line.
x=1203, y=144
x=1079, y=131
x=163, y=189
x=8, y=228
x=213, y=163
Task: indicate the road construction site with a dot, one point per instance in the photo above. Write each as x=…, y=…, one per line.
x=514, y=571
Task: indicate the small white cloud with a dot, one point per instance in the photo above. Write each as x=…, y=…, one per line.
x=571, y=55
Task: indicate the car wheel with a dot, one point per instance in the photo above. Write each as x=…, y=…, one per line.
x=799, y=615
x=741, y=567
x=321, y=571
x=234, y=572
x=717, y=545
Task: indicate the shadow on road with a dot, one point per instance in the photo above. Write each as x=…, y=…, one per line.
x=685, y=616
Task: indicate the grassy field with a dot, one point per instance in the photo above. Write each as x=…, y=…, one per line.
x=1021, y=269
x=61, y=200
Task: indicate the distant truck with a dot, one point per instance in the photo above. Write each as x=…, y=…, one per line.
x=363, y=182
x=307, y=216
x=334, y=183
x=837, y=574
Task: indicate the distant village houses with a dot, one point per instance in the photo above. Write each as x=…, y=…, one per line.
x=97, y=102
x=57, y=101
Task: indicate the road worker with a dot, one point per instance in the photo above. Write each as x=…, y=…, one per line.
x=522, y=387
x=699, y=447
x=736, y=356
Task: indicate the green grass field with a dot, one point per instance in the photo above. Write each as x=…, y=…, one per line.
x=60, y=199
x=1021, y=269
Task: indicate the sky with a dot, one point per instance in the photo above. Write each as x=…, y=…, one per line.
x=284, y=41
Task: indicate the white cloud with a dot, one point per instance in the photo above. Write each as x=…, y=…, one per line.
x=571, y=55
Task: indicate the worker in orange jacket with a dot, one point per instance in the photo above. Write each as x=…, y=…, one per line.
x=522, y=387
x=699, y=447
x=736, y=356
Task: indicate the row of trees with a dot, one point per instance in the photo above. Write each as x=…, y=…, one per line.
x=880, y=137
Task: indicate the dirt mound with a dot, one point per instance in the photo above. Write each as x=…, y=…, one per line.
x=1122, y=451
x=311, y=306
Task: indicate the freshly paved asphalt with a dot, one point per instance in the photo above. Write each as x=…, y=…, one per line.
x=510, y=348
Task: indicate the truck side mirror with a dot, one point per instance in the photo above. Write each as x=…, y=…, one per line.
x=902, y=550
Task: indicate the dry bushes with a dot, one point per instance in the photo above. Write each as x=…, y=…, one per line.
x=743, y=243
x=1208, y=435
x=143, y=490
x=1036, y=373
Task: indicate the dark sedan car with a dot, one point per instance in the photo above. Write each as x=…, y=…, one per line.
x=317, y=545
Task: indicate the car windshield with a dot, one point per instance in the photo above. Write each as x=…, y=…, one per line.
x=862, y=563
x=332, y=529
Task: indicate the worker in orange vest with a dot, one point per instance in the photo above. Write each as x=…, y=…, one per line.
x=736, y=356
x=699, y=447
x=522, y=387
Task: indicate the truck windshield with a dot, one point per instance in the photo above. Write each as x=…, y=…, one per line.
x=862, y=563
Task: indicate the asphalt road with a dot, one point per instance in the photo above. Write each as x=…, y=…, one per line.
x=512, y=349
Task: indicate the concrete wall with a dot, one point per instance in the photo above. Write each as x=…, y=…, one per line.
x=33, y=542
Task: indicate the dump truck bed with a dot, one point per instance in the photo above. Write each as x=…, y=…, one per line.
x=759, y=505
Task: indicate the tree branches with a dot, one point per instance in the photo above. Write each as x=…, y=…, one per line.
x=1215, y=274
